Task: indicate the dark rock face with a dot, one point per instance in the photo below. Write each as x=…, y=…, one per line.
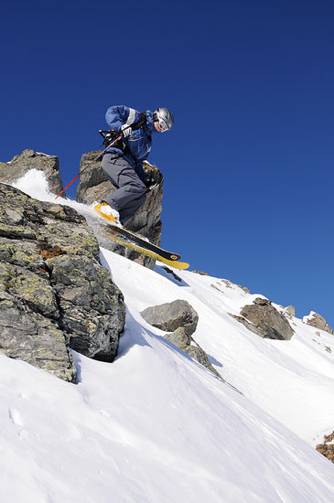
x=91, y=307
x=94, y=186
x=264, y=320
x=170, y=316
x=53, y=290
x=29, y=159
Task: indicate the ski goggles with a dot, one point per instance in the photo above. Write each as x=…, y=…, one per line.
x=162, y=125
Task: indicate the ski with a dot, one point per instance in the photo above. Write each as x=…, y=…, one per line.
x=115, y=228
x=133, y=246
x=134, y=238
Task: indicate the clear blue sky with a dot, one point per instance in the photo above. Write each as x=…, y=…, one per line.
x=248, y=166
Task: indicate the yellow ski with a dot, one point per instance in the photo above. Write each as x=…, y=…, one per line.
x=148, y=253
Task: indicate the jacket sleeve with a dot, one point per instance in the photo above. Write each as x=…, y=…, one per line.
x=118, y=115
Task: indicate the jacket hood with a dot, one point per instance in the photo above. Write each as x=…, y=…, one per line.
x=149, y=126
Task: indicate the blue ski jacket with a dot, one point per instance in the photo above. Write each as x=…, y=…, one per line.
x=139, y=143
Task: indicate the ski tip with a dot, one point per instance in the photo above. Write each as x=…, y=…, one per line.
x=175, y=264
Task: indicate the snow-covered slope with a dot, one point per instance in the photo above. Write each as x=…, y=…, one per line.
x=155, y=426
x=292, y=380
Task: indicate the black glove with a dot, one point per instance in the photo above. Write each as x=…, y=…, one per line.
x=108, y=136
x=150, y=183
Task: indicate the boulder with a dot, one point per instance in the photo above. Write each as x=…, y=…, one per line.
x=173, y=315
x=54, y=292
x=264, y=320
x=94, y=185
x=317, y=321
x=29, y=159
x=290, y=311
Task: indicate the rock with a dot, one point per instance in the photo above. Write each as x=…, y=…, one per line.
x=290, y=311
x=327, y=448
x=173, y=315
x=93, y=183
x=264, y=320
x=229, y=284
x=29, y=159
x=317, y=321
x=186, y=343
x=53, y=290
x=215, y=287
x=91, y=307
x=35, y=340
x=94, y=186
x=260, y=301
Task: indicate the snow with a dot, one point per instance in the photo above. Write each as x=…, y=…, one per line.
x=309, y=317
x=156, y=426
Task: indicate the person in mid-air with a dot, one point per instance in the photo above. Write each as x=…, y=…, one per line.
x=123, y=162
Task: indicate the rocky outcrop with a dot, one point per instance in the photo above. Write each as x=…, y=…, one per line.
x=317, y=321
x=94, y=186
x=228, y=284
x=93, y=183
x=54, y=292
x=327, y=448
x=170, y=316
x=290, y=311
x=180, y=318
x=264, y=320
x=181, y=339
x=29, y=159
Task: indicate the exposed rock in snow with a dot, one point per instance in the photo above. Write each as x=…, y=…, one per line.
x=290, y=311
x=327, y=448
x=170, y=316
x=154, y=425
x=229, y=284
x=263, y=319
x=317, y=321
x=53, y=290
x=29, y=159
x=186, y=343
x=181, y=318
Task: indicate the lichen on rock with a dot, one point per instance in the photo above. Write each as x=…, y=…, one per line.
x=54, y=292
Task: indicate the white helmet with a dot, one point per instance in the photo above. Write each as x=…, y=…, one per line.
x=164, y=117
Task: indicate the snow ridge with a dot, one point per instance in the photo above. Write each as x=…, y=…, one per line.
x=156, y=426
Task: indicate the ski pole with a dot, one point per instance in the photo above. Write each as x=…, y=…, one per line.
x=91, y=162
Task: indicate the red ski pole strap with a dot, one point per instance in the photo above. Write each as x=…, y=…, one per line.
x=91, y=162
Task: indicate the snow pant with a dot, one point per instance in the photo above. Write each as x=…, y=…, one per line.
x=131, y=191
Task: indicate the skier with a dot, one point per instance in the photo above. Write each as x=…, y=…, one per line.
x=123, y=162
